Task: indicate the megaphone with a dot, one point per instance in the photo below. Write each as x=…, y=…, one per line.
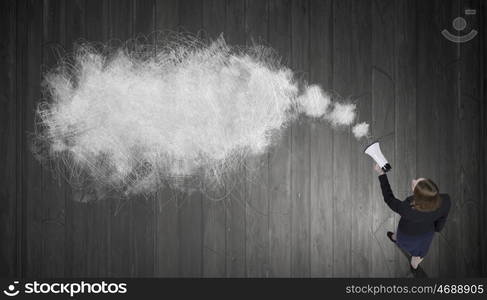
x=373, y=151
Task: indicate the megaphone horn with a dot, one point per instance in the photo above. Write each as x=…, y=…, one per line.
x=373, y=150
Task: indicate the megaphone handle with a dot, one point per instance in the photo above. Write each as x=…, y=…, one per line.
x=387, y=167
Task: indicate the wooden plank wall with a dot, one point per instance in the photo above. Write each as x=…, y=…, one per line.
x=256, y=197
x=8, y=150
x=321, y=139
x=483, y=145
x=311, y=207
x=405, y=92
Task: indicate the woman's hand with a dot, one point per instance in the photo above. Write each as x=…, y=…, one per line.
x=378, y=169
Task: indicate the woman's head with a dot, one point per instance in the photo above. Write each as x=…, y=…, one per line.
x=426, y=194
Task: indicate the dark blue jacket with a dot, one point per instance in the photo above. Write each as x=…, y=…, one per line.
x=413, y=221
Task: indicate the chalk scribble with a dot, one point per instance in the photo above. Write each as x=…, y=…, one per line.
x=360, y=130
x=138, y=117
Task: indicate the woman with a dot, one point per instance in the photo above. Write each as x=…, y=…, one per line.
x=422, y=214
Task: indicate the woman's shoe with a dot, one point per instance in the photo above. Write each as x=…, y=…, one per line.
x=390, y=235
x=415, y=261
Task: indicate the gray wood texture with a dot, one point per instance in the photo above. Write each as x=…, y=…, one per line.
x=256, y=196
x=9, y=228
x=321, y=143
x=312, y=206
x=405, y=90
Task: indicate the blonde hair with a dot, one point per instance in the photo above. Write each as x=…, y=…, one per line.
x=426, y=196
